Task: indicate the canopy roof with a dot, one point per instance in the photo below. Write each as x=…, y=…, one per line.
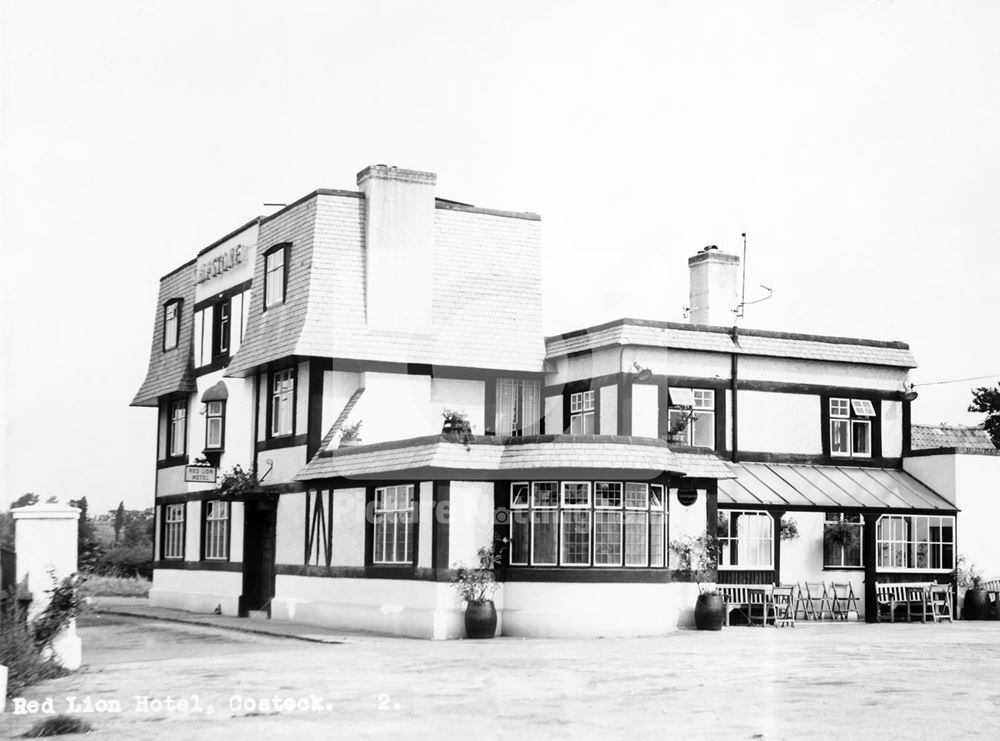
x=827, y=487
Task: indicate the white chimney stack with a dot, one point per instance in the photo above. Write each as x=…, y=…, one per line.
x=715, y=287
x=399, y=247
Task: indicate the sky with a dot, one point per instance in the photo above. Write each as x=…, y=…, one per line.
x=854, y=142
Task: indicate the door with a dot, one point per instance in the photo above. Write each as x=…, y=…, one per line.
x=258, y=556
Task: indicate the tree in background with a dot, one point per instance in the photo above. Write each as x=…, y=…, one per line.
x=25, y=500
x=88, y=546
x=119, y=521
x=987, y=400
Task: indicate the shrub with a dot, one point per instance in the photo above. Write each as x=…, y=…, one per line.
x=26, y=664
x=127, y=561
x=115, y=586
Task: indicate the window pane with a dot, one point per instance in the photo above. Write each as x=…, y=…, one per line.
x=840, y=408
x=681, y=397
x=576, y=425
x=214, y=432
x=545, y=494
x=636, y=496
x=576, y=494
x=520, y=545
x=679, y=423
x=607, y=538
x=862, y=437
x=704, y=398
x=656, y=496
x=519, y=495
x=840, y=434
x=636, y=538
x=657, y=538
x=703, y=429
x=575, y=538
x=544, y=537
x=530, y=416
x=607, y=494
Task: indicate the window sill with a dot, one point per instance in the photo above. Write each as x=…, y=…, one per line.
x=843, y=568
x=172, y=461
x=283, y=441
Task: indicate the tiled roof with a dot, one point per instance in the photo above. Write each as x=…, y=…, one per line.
x=486, y=313
x=719, y=339
x=485, y=457
x=171, y=370
x=827, y=487
x=927, y=437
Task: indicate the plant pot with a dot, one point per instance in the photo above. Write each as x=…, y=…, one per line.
x=976, y=605
x=480, y=619
x=351, y=442
x=456, y=426
x=709, y=612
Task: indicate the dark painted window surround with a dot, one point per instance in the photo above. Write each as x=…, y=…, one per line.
x=166, y=408
x=287, y=248
x=273, y=442
x=172, y=341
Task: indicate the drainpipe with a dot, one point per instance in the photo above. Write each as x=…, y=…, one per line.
x=733, y=375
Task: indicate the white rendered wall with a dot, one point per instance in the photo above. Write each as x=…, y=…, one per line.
x=609, y=410
x=196, y=591
x=581, y=610
x=349, y=527
x=687, y=521
x=235, y=532
x=338, y=386
x=892, y=428
x=285, y=464
x=471, y=521
x=780, y=423
x=289, y=531
x=425, y=525
x=791, y=370
x=396, y=406
x=645, y=410
x=192, y=531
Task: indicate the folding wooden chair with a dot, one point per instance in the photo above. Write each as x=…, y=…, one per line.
x=816, y=601
x=783, y=605
x=939, y=602
x=843, y=601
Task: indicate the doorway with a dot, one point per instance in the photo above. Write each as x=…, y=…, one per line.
x=259, y=521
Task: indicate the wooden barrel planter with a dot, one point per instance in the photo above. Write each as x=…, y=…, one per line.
x=480, y=619
x=709, y=612
x=976, y=605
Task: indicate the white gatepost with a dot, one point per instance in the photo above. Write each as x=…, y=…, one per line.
x=45, y=541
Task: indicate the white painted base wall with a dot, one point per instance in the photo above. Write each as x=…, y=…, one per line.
x=196, y=591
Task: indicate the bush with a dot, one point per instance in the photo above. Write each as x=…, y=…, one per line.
x=127, y=561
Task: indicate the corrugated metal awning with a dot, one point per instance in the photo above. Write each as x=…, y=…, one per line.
x=826, y=487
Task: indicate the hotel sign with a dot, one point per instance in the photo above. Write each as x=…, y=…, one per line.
x=201, y=474
x=215, y=267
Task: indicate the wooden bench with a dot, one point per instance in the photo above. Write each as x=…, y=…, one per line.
x=914, y=596
x=751, y=597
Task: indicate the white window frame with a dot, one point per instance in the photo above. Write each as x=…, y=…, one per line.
x=173, y=531
x=404, y=517
x=215, y=416
x=216, y=530
x=840, y=413
x=832, y=518
x=283, y=402
x=527, y=513
x=582, y=405
x=274, y=277
x=696, y=404
x=732, y=540
x=907, y=541
x=171, y=324
x=177, y=424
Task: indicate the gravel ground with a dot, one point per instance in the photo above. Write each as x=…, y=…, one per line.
x=813, y=681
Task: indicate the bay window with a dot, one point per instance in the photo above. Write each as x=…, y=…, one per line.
x=746, y=540
x=915, y=542
x=587, y=523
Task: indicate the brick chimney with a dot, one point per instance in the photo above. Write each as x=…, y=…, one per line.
x=715, y=287
x=399, y=247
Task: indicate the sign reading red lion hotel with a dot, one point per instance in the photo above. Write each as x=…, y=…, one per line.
x=219, y=265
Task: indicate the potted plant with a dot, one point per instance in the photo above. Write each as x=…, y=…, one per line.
x=350, y=435
x=841, y=534
x=699, y=557
x=477, y=586
x=976, y=605
x=455, y=422
x=789, y=528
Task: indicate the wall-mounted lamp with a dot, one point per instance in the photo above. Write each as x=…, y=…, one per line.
x=908, y=393
x=642, y=374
